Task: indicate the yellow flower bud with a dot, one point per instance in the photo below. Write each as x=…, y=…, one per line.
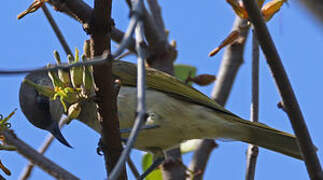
x=62, y=75
x=76, y=72
x=87, y=78
x=55, y=79
x=73, y=112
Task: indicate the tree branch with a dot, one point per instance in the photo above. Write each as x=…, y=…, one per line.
x=42, y=149
x=253, y=150
x=107, y=109
x=81, y=12
x=161, y=53
x=285, y=89
x=161, y=57
x=231, y=61
x=141, y=86
x=56, y=29
x=158, y=19
x=35, y=157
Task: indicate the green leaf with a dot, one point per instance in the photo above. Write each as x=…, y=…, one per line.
x=147, y=160
x=182, y=71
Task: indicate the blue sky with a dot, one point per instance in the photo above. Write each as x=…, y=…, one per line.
x=197, y=28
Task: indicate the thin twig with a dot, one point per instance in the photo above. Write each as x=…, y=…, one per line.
x=35, y=157
x=253, y=150
x=95, y=61
x=118, y=36
x=128, y=53
x=81, y=12
x=126, y=41
x=161, y=57
x=42, y=149
x=231, y=62
x=141, y=108
x=56, y=29
x=133, y=168
x=285, y=89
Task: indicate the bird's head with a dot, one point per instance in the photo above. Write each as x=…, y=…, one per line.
x=40, y=110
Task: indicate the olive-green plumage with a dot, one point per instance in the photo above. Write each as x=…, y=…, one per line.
x=250, y=132
x=180, y=111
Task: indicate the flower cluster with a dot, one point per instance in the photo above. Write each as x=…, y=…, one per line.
x=72, y=88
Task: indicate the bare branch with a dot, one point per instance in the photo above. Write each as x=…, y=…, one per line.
x=35, y=157
x=231, y=61
x=285, y=89
x=57, y=31
x=42, y=149
x=77, y=9
x=201, y=157
x=161, y=53
x=81, y=12
x=253, y=150
x=171, y=168
x=153, y=35
x=117, y=36
x=157, y=16
x=133, y=168
x=141, y=96
x=315, y=7
x=106, y=105
x=126, y=41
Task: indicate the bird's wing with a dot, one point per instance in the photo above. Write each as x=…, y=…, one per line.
x=127, y=72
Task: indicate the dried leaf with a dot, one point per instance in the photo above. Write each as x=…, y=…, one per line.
x=234, y=35
x=203, y=79
x=238, y=9
x=271, y=8
x=32, y=8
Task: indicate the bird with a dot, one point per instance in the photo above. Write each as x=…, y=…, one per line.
x=179, y=112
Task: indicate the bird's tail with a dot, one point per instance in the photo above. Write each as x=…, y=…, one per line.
x=264, y=136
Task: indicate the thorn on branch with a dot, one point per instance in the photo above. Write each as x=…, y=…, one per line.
x=101, y=146
x=231, y=38
x=116, y=87
x=254, y=151
x=281, y=106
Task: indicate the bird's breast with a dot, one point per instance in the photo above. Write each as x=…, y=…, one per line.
x=178, y=120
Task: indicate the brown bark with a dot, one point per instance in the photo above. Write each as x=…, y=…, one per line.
x=100, y=30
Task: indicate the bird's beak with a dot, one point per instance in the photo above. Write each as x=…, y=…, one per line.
x=56, y=132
